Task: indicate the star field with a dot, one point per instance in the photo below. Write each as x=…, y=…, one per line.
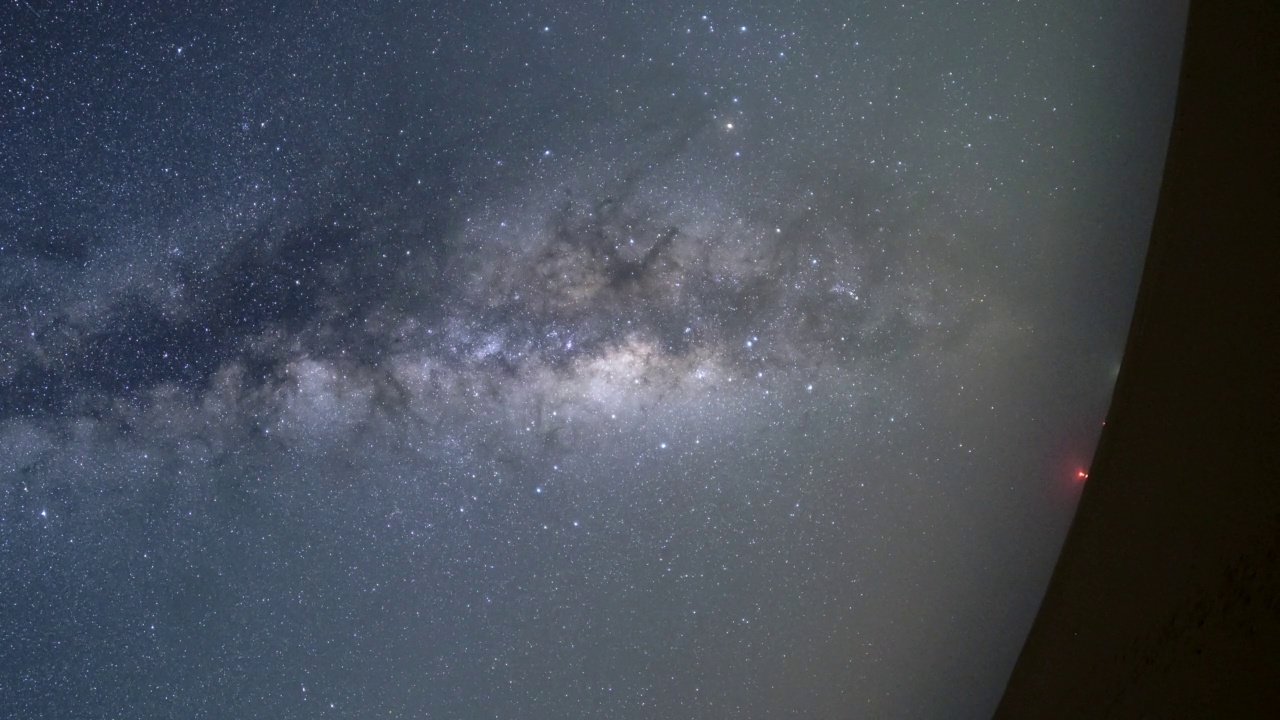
x=555, y=360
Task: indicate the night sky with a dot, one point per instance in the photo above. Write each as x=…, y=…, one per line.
x=555, y=360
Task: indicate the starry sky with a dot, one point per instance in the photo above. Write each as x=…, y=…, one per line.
x=573, y=359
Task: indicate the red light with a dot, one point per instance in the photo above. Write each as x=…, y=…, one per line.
x=1082, y=475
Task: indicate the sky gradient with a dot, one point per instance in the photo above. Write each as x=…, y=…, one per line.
x=555, y=360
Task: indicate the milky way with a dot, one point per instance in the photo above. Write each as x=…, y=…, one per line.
x=552, y=361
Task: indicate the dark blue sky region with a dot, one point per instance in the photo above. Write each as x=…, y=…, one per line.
x=531, y=360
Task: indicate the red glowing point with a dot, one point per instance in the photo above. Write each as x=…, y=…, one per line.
x=1081, y=475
